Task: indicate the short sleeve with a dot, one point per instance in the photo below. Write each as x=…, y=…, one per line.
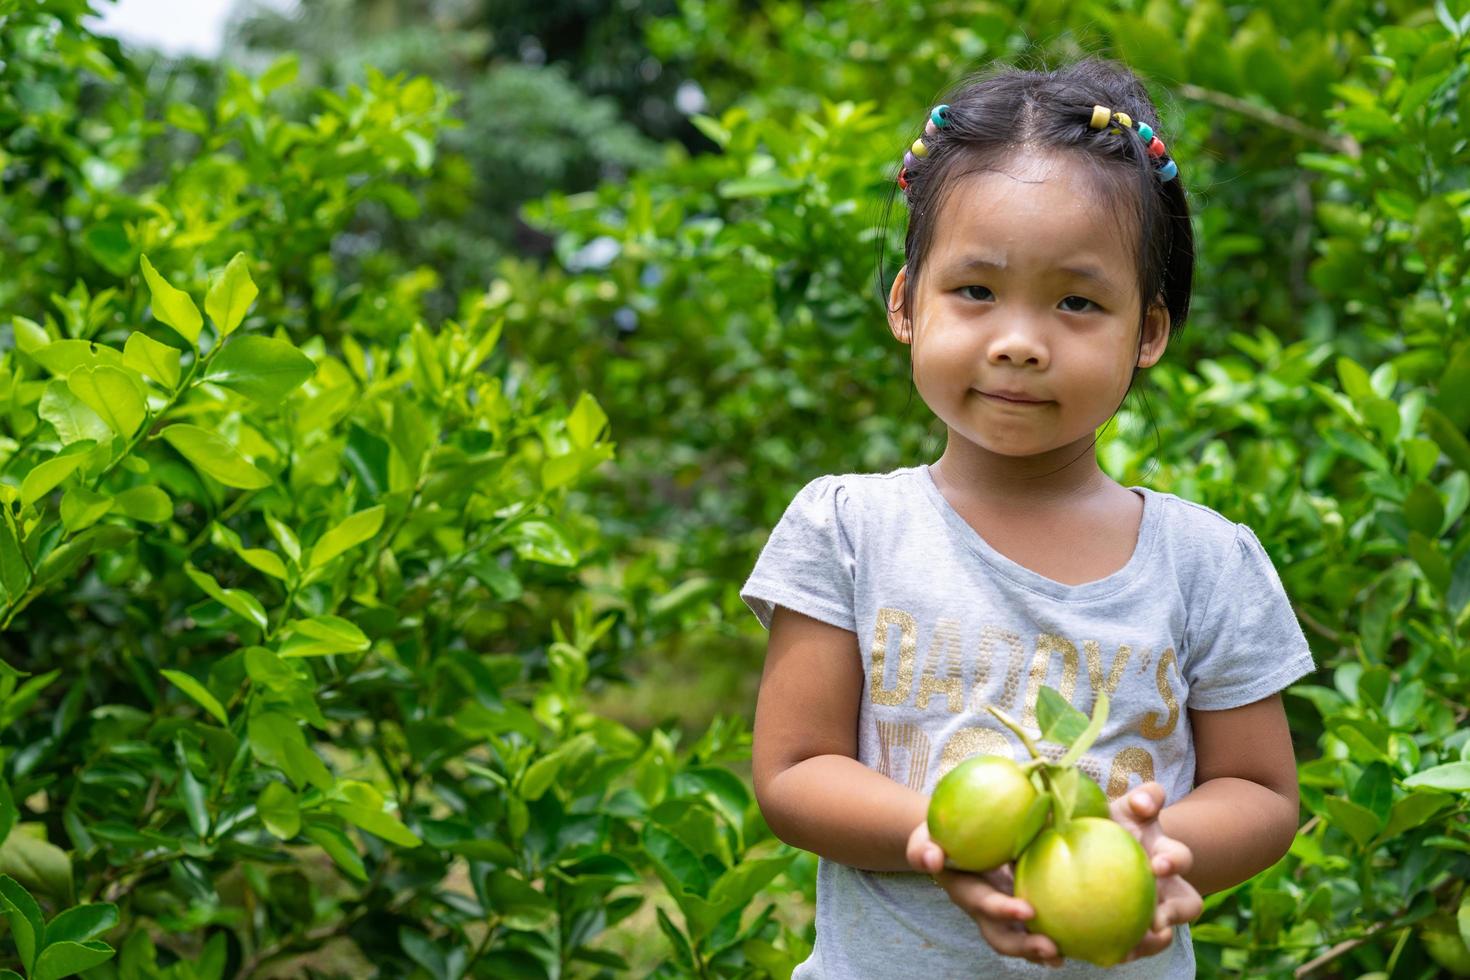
x=1247, y=644
x=808, y=563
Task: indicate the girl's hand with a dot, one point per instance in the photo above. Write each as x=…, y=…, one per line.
x=1138, y=810
x=987, y=898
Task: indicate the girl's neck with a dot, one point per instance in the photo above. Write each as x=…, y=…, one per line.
x=1021, y=483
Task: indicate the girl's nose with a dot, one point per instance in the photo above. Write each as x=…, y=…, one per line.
x=1019, y=345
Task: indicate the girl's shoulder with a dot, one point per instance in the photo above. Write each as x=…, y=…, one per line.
x=1200, y=540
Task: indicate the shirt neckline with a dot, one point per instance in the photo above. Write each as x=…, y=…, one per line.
x=1035, y=581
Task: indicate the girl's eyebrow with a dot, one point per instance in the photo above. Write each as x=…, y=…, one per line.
x=1085, y=271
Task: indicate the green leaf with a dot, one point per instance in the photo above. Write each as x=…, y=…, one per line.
x=734, y=889
x=338, y=846
x=27, y=927
x=586, y=421
x=152, y=359
x=191, y=794
x=64, y=356
x=173, y=306
x=70, y=416
x=238, y=601
x=1359, y=823
x=81, y=508
x=199, y=693
x=264, y=369
x=285, y=537
x=673, y=861
x=279, y=811
x=82, y=923
x=1462, y=918
x=44, y=477
x=66, y=959
x=276, y=740
x=323, y=635
x=1450, y=439
x=145, y=503
x=544, y=541
x=230, y=296
x=1094, y=728
x=361, y=804
x=114, y=393
x=14, y=574
x=1452, y=776
x=1058, y=721
x=36, y=863
x=1414, y=811
x=351, y=532
x=30, y=336
x=521, y=906
x=8, y=811
x=540, y=774
x=1424, y=510
x=68, y=557
x=215, y=457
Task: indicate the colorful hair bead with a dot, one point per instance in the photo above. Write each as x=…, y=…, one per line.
x=903, y=178
x=909, y=160
x=939, y=115
x=1169, y=171
x=919, y=149
x=1100, y=116
x=929, y=128
x=1146, y=131
x=1123, y=119
x=1155, y=148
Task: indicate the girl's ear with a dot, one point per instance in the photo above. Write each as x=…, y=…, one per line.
x=1155, y=335
x=898, y=320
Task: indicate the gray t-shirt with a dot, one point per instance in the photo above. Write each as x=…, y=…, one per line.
x=1197, y=618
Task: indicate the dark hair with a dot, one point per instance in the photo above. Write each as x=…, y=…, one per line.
x=1007, y=110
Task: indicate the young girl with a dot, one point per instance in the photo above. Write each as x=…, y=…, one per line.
x=1048, y=257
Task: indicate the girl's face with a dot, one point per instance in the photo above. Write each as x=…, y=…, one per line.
x=1029, y=290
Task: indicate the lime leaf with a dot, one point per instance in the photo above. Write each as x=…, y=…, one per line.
x=70, y=416
x=27, y=927
x=30, y=336
x=44, y=477
x=586, y=421
x=215, y=457
x=230, y=296
x=114, y=393
x=264, y=369
x=276, y=740
x=1452, y=776
x=153, y=359
x=323, y=635
x=199, y=693
x=338, y=846
x=65, y=959
x=173, y=306
x=237, y=601
x=279, y=811
x=81, y=508
x=84, y=922
x=348, y=534
x=64, y=356
x=361, y=804
x=145, y=503
x=1058, y=720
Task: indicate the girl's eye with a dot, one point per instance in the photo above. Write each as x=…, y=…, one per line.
x=970, y=292
x=1081, y=299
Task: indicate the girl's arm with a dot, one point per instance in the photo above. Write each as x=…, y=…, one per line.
x=1242, y=814
x=812, y=791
